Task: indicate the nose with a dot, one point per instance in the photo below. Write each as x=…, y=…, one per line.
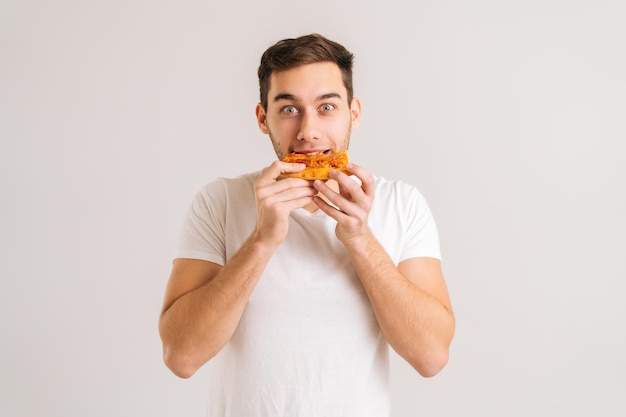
x=309, y=127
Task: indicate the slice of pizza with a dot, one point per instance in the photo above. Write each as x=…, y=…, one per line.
x=318, y=166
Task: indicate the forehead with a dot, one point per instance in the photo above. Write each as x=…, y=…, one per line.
x=310, y=80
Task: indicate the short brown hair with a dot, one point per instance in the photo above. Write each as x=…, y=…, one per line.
x=308, y=49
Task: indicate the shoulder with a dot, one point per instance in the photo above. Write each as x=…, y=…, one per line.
x=219, y=194
x=396, y=190
x=223, y=186
x=399, y=198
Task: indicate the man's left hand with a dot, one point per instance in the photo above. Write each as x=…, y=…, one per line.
x=350, y=206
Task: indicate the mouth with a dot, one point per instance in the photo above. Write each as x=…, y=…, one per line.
x=313, y=152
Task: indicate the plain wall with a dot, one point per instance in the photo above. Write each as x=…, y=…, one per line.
x=509, y=116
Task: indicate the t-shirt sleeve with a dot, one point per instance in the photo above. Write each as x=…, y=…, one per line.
x=422, y=238
x=202, y=236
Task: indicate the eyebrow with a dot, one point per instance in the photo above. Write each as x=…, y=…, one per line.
x=291, y=97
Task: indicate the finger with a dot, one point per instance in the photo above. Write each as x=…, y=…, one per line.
x=285, y=189
x=367, y=179
x=330, y=210
x=272, y=172
x=294, y=194
x=340, y=202
x=283, y=208
x=349, y=186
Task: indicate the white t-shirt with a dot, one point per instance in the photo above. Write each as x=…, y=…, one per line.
x=308, y=344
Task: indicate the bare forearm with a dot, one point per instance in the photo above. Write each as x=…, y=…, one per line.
x=415, y=323
x=198, y=324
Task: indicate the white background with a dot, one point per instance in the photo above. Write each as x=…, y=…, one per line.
x=508, y=115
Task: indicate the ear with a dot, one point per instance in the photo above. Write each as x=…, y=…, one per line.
x=261, y=118
x=355, y=110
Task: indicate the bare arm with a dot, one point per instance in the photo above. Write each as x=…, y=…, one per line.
x=411, y=305
x=410, y=301
x=204, y=301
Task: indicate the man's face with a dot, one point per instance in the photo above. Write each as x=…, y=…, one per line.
x=308, y=110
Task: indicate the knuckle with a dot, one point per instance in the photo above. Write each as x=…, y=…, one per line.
x=275, y=163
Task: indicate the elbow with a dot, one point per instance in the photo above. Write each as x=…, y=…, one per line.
x=430, y=361
x=181, y=356
x=185, y=362
x=433, y=366
x=185, y=358
x=430, y=364
x=182, y=365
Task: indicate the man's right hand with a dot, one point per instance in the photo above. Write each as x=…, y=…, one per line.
x=277, y=198
x=204, y=301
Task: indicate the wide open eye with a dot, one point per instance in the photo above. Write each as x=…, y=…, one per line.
x=327, y=107
x=290, y=110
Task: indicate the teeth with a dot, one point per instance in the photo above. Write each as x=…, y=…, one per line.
x=311, y=153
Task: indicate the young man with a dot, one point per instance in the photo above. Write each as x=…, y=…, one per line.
x=294, y=289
